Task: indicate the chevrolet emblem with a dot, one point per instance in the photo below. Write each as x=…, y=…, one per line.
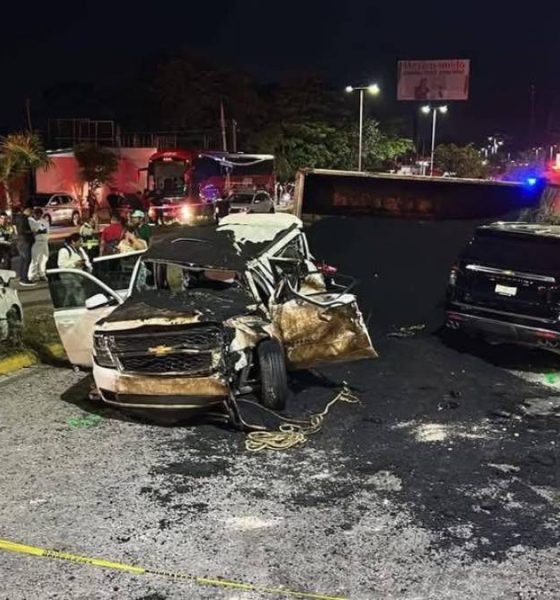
x=160, y=350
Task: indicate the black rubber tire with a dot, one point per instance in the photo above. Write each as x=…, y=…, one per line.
x=76, y=219
x=274, y=378
x=13, y=318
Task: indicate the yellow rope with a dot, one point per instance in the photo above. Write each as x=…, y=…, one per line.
x=294, y=432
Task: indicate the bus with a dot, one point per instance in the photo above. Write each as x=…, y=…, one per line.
x=182, y=184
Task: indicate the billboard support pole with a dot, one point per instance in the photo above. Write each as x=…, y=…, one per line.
x=434, y=119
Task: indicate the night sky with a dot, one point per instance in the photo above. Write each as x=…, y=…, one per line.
x=345, y=42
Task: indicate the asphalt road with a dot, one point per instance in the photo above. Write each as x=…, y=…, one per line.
x=442, y=484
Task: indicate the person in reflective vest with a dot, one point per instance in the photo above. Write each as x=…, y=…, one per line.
x=7, y=238
x=89, y=233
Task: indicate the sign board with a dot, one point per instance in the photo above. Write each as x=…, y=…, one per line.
x=434, y=80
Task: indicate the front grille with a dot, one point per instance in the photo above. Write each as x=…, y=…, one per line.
x=193, y=365
x=204, y=337
x=188, y=351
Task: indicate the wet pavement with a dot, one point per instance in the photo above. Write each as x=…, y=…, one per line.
x=443, y=483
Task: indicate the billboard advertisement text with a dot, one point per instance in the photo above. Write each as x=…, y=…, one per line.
x=435, y=80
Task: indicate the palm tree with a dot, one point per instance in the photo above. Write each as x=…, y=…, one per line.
x=20, y=153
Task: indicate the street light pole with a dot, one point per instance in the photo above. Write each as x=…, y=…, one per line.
x=361, y=129
x=434, y=121
x=434, y=110
x=373, y=89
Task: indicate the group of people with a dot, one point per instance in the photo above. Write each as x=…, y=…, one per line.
x=27, y=236
x=120, y=236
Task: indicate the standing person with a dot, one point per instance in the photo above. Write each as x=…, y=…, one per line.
x=40, y=249
x=113, y=199
x=111, y=236
x=7, y=235
x=131, y=242
x=89, y=232
x=71, y=286
x=72, y=255
x=141, y=228
x=24, y=244
x=92, y=203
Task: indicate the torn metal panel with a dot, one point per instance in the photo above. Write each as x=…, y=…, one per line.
x=314, y=335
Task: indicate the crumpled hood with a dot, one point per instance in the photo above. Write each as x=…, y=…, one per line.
x=165, y=308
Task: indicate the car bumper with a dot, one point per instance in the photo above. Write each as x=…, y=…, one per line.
x=503, y=331
x=163, y=393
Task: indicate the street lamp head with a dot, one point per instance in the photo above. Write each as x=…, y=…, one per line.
x=443, y=109
x=373, y=89
x=426, y=109
x=349, y=89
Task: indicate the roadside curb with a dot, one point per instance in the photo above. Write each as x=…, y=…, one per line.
x=51, y=354
x=18, y=361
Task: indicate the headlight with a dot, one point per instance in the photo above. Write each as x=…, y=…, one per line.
x=187, y=213
x=101, y=351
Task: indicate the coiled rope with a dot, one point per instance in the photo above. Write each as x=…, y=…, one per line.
x=293, y=432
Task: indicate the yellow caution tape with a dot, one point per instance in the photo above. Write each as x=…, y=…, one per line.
x=108, y=564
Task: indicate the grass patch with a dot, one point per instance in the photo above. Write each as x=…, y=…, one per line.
x=38, y=335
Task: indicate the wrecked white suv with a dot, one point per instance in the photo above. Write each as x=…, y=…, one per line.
x=206, y=314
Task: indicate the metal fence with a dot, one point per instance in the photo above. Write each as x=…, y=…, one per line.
x=65, y=133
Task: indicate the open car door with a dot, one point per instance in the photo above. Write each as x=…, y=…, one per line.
x=80, y=299
x=319, y=327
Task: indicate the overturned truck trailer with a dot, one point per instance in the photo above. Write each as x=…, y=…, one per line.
x=400, y=236
x=328, y=192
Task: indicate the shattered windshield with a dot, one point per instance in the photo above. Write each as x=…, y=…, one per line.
x=175, y=278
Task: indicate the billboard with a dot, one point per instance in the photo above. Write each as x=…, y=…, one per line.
x=443, y=80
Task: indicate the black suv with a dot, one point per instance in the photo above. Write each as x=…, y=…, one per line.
x=505, y=285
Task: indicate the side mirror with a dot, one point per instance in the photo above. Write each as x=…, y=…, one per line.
x=7, y=276
x=97, y=301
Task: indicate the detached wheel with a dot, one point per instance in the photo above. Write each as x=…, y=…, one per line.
x=274, y=379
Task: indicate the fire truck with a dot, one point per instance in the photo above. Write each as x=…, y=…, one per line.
x=183, y=185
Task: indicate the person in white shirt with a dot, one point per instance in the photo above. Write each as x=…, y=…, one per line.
x=40, y=249
x=73, y=256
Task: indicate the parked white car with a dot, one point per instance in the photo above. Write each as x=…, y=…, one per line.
x=11, y=310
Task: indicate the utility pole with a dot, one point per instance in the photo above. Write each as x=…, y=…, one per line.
x=234, y=135
x=28, y=113
x=223, y=126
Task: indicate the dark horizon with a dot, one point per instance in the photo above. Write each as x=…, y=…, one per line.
x=353, y=43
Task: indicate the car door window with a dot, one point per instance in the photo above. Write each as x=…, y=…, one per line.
x=71, y=289
x=116, y=271
x=54, y=201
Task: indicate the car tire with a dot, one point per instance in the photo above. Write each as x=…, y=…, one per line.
x=76, y=219
x=274, y=377
x=14, y=325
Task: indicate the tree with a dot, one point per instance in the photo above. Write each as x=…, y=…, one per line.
x=316, y=144
x=20, y=153
x=463, y=161
x=97, y=165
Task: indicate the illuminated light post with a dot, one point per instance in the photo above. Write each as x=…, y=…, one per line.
x=374, y=90
x=434, y=110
